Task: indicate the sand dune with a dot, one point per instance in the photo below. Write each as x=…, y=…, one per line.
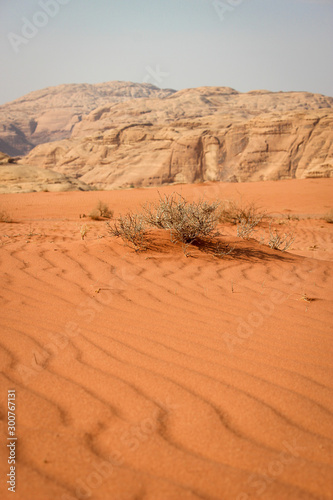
x=152, y=376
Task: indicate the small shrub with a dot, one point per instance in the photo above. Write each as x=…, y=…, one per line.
x=132, y=229
x=223, y=251
x=306, y=298
x=246, y=227
x=280, y=242
x=4, y=217
x=102, y=211
x=329, y=217
x=185, y=221
x=31, y=232
x=292, y=217
x=235, y=213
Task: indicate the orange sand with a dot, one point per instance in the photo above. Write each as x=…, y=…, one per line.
x=154, y=376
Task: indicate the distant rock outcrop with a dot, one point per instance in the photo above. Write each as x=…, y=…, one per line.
x=5, y=159
x=16, y=178
x=207, y=133
x=50, y=114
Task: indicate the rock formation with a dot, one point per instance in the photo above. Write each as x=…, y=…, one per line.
x=16, y=178
x=50, y=114
x=207, y=133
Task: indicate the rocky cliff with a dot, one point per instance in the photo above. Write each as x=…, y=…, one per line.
x=207, y=133
x=50, y=114
x=20, y=178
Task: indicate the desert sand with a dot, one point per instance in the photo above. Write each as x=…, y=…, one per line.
x=156, y=376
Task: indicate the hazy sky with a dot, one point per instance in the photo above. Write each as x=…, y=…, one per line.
x=244, y=44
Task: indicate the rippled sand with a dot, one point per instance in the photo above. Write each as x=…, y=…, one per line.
x=156, y=376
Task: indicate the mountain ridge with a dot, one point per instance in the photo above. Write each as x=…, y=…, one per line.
x=191, y=135
x=49, y=114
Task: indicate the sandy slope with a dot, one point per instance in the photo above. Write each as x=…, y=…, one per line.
x=154, y=376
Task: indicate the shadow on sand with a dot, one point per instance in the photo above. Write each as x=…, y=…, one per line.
x=249, y=250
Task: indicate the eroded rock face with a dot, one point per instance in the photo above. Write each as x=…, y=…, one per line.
x=16, y=178
x=209, y=133
x=50, y=114
x=5, y=159
x=27, y=179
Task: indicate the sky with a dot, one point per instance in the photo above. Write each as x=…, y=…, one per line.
x=278, y=45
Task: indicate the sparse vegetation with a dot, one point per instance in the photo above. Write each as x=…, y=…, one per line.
x=246, y=227
x=306, y=298
x=185, y=221
x=4, y=217
x=83, y=231
x=194, y=223
x=31, y=232
x=132, y=229
x=292, y=217
x=234, y=213
x=246, y=217
x=329, y=217
x=101, y=212
x=223, y=251
x=279, y=241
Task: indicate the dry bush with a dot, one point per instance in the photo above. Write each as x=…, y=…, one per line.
x=329, y=217
x=234, y=213
x=132, y=229
x=292, y=217
x=102, y=211
x=246, y=227
x=4, y=217
x=223, y=251
x=280, y=241
x=185, y=221
x=246, y=216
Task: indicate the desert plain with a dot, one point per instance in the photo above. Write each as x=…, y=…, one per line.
x=160, y=375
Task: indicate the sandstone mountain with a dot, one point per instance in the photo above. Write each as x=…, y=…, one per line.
x=16, y=178
x=194, y=135
x=50, y=114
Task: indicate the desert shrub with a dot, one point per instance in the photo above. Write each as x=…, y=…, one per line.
x=279, y=241
x=102, y=211
x=329, y=217
x=132, y=229
x=223, y=250
x=292, y=217
x=246, y=227
x=246, y=216
x=234, y=213
x=185, y=221
x=4, y=217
